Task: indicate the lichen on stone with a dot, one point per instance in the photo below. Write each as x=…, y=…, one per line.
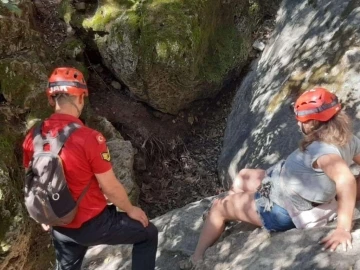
x=66, y=10
x=106, y=12
x=172, y=52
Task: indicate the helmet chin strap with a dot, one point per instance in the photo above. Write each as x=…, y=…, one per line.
x=77, y=108
x=302, y=128
x=73, y=103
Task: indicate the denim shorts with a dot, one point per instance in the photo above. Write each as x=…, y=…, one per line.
x=275, y=220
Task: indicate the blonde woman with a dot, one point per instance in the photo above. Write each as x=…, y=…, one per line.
x=313, y=186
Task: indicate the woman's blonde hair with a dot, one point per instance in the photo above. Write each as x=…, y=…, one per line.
x=337, y=131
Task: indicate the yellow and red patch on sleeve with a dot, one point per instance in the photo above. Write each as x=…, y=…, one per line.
x=106, y=155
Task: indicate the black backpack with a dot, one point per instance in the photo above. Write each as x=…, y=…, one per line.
x=47, y=196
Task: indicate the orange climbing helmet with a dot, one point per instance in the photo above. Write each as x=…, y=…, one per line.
x=316, y=104
x=66, y=80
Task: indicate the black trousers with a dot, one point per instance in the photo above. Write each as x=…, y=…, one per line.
x=109, y=227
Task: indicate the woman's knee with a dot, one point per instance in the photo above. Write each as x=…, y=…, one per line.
x=244, y=172
x=248, y=180
x=216, y=204
x=217, y=207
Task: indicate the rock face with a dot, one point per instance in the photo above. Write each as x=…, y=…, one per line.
x=122, y=154
x=170, y=53
x=240, y=247
x=178, y=234
x=25, y=64
x=314, y=43
x=22, y=79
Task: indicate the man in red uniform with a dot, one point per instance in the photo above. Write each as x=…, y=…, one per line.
x=86, y=159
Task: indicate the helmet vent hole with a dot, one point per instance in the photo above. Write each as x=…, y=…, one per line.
x=75, y=75
x=312, y=101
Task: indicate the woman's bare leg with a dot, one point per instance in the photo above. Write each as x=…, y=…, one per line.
x=239, y=206
x=247, y=180
x=357, y=177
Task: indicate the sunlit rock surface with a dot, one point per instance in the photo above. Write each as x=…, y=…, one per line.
x=241, y=247
x=314, y=43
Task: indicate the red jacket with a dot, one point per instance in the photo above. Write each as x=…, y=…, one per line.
x=84, y=154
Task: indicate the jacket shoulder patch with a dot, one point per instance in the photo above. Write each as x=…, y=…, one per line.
x=100, y=139
x=106, y=155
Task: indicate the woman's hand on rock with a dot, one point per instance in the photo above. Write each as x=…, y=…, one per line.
x=338, y=237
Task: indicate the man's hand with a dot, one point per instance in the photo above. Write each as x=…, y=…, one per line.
x=139, y=215
x=115, y=192
x=45, y=227
x=339, y=236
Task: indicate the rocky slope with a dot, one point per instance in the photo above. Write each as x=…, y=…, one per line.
x=241, y=247
x=314, y=43
x=34, y=41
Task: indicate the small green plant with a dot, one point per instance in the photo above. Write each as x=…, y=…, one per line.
x=11, y=6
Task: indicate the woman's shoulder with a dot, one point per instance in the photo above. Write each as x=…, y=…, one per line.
x=319, y=147
x=355, y=138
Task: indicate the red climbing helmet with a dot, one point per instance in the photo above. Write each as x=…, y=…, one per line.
x=316, y=104
x=66, y=80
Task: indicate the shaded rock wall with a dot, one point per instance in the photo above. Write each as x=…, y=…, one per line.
x=314, y=43
x=22, y=76
x=25, y=62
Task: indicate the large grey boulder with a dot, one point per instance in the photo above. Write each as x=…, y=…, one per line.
x=178, y=234
x=241, y=247
x=170, y=53
x=314, y=43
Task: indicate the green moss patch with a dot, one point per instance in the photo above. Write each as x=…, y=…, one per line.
x=172, y=52
x=66, y=10
x=107, y=11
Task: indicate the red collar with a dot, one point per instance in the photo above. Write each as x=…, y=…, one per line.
x=65, y=117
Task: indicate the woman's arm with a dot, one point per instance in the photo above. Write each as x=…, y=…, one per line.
x=356, y=159
x=337, y=170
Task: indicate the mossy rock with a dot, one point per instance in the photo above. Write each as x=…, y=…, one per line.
x=11, y=175
x=23, y=84
x=170, y=53
x=71, y=48
x=23, y=73
x=16, y=31
x=122, y=152
x=10, y=207
x=25, y=63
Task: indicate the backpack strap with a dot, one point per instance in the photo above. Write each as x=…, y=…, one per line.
x=83, y=192
x=38, y=139
x=56, y=143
